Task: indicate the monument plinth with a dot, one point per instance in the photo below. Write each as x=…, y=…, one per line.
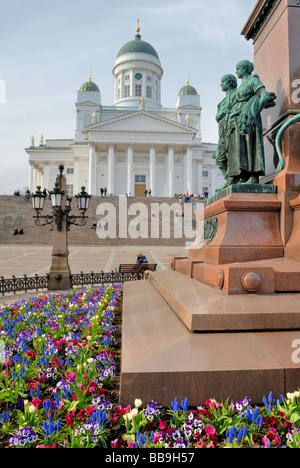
x=223, y=321
x=273, y=27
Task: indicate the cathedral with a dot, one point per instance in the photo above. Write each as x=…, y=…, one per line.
x=135, y=146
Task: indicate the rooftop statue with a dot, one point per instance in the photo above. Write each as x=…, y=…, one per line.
x=243, y=132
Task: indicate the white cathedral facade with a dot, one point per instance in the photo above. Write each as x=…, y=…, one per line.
x=134, y=145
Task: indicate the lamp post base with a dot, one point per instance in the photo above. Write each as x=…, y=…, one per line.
x=58, y=281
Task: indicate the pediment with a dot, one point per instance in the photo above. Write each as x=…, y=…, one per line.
x=141, y=122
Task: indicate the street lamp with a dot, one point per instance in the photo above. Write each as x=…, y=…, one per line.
x=61, y=219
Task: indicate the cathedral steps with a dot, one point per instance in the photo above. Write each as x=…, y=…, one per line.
x=138, y=213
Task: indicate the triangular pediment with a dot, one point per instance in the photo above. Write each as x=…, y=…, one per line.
x=141, y=122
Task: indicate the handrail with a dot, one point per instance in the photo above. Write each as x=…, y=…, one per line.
x=287, y=124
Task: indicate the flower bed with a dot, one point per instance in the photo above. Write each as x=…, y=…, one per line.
x=59, y=380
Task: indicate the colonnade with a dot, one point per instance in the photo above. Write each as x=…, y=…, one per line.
x=170, y=182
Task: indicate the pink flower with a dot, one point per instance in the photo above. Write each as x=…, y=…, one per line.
x=6, y=363
x=157, y=436
x=210, y=430
x=265, y=441
x=162, y=425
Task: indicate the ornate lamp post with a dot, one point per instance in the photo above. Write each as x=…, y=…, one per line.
x=60, y=220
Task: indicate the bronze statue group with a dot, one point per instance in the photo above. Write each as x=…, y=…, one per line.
x=240, y=152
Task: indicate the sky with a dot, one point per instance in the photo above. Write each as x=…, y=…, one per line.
x=48, y=47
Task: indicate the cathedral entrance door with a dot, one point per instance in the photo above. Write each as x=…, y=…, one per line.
x=140, y=185
x=139, y=190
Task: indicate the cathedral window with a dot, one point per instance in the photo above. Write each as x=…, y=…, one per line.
x=149, y=92
x=140, y=179
x=138, y=90
x=127, y=90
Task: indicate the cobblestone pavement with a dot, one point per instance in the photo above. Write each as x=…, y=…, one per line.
x=30, y=260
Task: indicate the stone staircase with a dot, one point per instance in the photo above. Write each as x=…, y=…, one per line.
x=16, y=211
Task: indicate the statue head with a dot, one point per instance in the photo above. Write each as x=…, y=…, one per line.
x=243, y=68
x=228, y=82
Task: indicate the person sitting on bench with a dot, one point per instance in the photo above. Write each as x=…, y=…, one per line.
x=140, y=258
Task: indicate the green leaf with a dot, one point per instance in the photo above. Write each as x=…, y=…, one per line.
x=294, y=418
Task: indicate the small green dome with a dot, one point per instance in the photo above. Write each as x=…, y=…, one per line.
x=89, y=85
x=188, y=89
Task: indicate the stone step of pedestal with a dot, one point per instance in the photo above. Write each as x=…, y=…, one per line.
x=267, y=276
x=203, y=308
x=162, y=359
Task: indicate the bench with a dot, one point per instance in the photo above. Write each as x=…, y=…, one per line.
x=136, y=267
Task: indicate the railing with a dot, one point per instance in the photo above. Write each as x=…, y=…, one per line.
x=26, y=283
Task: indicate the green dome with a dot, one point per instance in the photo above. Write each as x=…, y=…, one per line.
x=188, y=89
x=137, y=45
x=89, y=85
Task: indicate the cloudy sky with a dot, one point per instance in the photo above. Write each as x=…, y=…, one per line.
x=48, y=47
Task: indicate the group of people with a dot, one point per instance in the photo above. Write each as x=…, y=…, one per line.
x=186, y=197
x=103, y=191
x=18, y=231
x=240, y=152
x=147, y=193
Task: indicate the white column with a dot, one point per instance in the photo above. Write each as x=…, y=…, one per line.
x=32, y=188
x=76, y=187
x=92, y=169
x=200, y=179
x=152, y=170
x=130, y=169
x=46, y=176
x=111, y=169
x=171, y=171
x=189, y=170
x=37, y=182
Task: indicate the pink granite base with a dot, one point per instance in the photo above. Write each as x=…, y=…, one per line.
x=162, y=359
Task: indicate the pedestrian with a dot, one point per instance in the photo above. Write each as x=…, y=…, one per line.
x=101, y=191
x=21, y=231
x=16, y=231
x=105, y=190
x=140, y=258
